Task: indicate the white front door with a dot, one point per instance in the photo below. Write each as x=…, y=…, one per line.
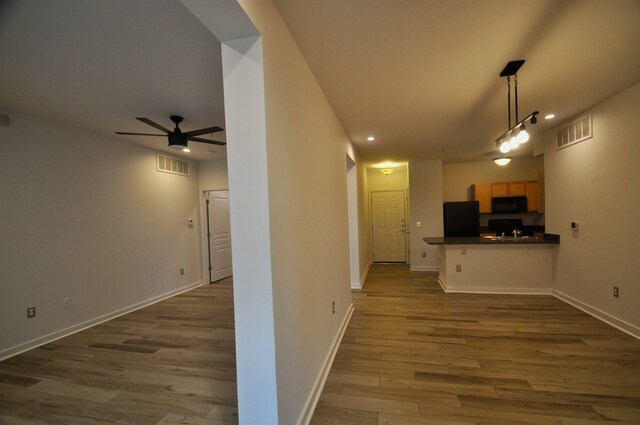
x=219, y=233
x=388, y=226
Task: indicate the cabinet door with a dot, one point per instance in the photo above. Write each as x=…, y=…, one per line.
x=499, y=189
x=517, y=189
x=482, y=194
x=532, y=196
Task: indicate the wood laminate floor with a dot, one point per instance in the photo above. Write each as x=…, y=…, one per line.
x=411, y=355
x=169, y=363
x=415, y=355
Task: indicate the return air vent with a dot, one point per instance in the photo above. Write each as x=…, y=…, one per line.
x=574, y=132
x=167, y=164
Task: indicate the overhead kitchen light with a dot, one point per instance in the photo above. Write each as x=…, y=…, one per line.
x=502, y=160
x=371, y=138
x=516, y=135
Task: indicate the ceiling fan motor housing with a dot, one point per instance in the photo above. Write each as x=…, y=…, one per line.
x=177, y=140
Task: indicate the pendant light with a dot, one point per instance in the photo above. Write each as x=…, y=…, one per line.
x=516, y=135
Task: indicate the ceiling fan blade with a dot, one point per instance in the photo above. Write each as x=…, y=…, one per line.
x=211, y=142
x=153, y=124
x=140, y=134
x=203, y=131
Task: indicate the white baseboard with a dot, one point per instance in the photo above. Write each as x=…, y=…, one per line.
x=423, y=268
x=599, y=314
x=360, y=285
x=29, y=345
x=496, y=290
x=314, y=396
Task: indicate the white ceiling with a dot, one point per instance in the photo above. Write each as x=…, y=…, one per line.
x=420, y=75
x=100, y=64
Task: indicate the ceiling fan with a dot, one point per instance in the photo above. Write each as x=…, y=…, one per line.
x=177, y=139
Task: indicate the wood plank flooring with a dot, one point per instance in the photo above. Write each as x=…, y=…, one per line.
x=415, y=355
x=169, y=363
x=411, y=355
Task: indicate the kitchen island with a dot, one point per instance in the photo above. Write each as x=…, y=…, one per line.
x=503, y=265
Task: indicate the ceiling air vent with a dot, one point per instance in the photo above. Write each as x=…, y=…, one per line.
x=167, y=164
x=574, y=132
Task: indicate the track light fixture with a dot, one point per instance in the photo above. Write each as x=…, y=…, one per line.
x=516, y=135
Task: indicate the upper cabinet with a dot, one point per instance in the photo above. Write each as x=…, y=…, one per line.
x=483, y=192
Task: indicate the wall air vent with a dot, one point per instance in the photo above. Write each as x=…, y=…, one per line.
x=167, y=164
x=575, y=132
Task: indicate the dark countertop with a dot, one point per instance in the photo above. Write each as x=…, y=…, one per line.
x=548, y=238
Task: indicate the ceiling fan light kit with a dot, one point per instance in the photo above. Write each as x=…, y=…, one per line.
x=516, y=134
x=177, y=139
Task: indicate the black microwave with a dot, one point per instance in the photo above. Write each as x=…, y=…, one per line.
x=509, y=204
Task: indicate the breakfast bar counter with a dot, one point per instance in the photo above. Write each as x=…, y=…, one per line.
x=505, y=265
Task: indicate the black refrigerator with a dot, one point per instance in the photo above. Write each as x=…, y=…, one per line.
x=461, y=219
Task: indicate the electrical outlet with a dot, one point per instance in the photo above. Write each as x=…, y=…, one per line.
x=182, y=271
x=424, y=254
x=66, y=303
x=616, y=293
x=333, y=307
x=463, y=251
x=458, y=268
x=31, y=312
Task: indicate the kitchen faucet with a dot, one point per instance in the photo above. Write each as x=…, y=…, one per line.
x=516, y=232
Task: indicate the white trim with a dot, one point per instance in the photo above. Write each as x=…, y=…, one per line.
x=599, y=314
x=46, y=339
x=423, y=268
x=314, y=396
x=497, y=290
x=360, y=285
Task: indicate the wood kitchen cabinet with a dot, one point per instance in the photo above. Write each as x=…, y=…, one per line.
x=533, y=196
x=499, y=189
x=482, y=194
x=517, y=189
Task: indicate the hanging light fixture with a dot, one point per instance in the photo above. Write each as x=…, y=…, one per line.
x=386, y=171
x=516, y=135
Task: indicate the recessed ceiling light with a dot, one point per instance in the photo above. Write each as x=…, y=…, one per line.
x=186, y=150
x=549, y=117
x=371, y=138
x=211, y=151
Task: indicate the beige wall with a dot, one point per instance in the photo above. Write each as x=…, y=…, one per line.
x=398, y=180
x=308, y=217
x=213, y=175
x=459, y=176
x=595, y=183
x=86, y=217
x=425, y=198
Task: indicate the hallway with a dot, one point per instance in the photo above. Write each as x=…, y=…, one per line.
x=415, y=355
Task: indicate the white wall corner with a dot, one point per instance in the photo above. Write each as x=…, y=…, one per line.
x=599, y=314
x=359, y=285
